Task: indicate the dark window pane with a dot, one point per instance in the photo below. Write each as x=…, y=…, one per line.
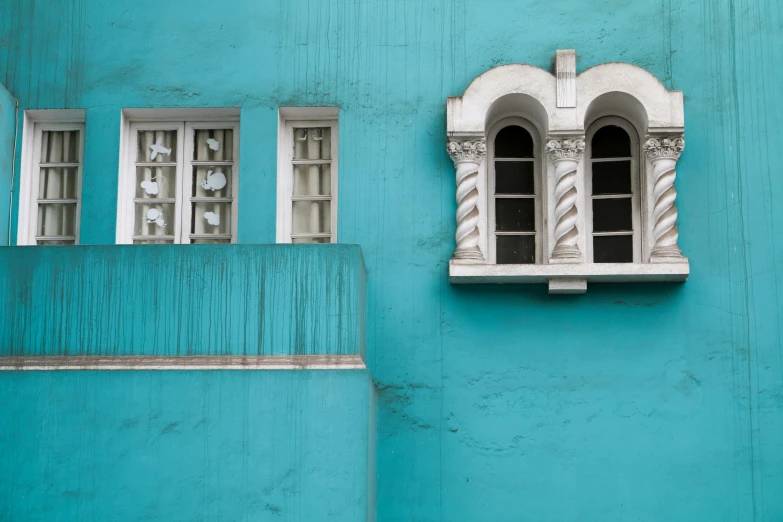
x=611, y=142
x=513, y=142
x=612, y=215
x=516, y=250
x=613, y=249
x=612, y=177
x=515, y=215
x=514, y=177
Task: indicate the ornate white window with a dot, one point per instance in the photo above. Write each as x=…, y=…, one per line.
x=602, y=206
x=307, y=175
x=178, y=179
x=51, y=182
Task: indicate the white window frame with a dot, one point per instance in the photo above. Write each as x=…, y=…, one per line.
x=537, y=186
x=35, y=123
x=636, y=184
x=188, y=122
x=292, y=118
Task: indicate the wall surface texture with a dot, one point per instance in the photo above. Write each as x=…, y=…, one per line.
x=7, y=128
x=632, y=402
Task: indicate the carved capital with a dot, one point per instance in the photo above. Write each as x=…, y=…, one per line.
x=565, y=149
x=669, y=147
x=467, y=150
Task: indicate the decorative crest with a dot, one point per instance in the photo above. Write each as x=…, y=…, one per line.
x=469, y=150
x=668, y=147
x=565, y=149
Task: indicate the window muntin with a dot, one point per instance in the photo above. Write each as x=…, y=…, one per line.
x=183, y=178
x=309, y=179
x=514, y=194
x=613, y=186
x=55, y=185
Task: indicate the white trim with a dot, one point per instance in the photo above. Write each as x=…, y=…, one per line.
x=190, y=363
x=592, y=272
x=290, y=118
x=636, y=196
x=538, y=187
x=35, y=123
x=178, y=120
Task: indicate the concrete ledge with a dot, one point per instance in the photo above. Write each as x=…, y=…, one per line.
x=590, y=272
x=218, y=362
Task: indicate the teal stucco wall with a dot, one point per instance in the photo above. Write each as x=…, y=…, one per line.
x=632, y=402
x=7, y=135
x=216, y=445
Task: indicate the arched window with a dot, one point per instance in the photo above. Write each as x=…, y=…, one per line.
x=514, y=193
x=613, y=186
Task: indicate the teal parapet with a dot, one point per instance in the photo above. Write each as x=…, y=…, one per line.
x=189, y=300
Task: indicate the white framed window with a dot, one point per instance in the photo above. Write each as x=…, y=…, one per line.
x=307, y=176
x=612, y=186
x=51, y=179
x=514, y=193
x=178, y=181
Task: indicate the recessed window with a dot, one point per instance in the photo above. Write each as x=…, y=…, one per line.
x=514, y=194
x=180, y=183
x=50, y=200
x=307, y=180
x=613, y=186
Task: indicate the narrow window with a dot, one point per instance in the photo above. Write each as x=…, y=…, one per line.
x=514, y=191
x=51, y=186
x=614, y=192
x=181, y=183
x=308, y=182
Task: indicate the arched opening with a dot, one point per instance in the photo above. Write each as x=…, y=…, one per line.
x=514, y=193
x=613, y=185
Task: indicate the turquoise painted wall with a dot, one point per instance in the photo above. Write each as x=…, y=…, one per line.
x=220, y=445
x=633, y=402
x=7, y=128
x=207, y=300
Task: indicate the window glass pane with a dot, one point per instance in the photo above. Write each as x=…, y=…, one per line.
x=56, y=242
x=60, y=146
x=57, y=183
x=313, y=143
x=215, y=241
x=156, y=182
x=154, y=219
x=611, y=141
x=514, y=177
x=157, y=146
x=210, y=218
x=312, y=217
x=612, y=215
x=513, y=142
x=613, y=249
x=56, y=219
x=612, y=177
x=312, y=180
x=211, y=181
x=515, y=215
x=516, y=250
x=153, y=241
x=213, y=145
x=303, y=240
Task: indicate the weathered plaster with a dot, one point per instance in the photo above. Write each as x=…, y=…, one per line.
x=634, y=402
x=7, y=135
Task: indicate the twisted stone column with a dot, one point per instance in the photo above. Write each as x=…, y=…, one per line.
x=467, y=155
x=565, y=154
x=663, y=153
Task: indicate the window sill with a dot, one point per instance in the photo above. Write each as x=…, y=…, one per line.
x=568, y=278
